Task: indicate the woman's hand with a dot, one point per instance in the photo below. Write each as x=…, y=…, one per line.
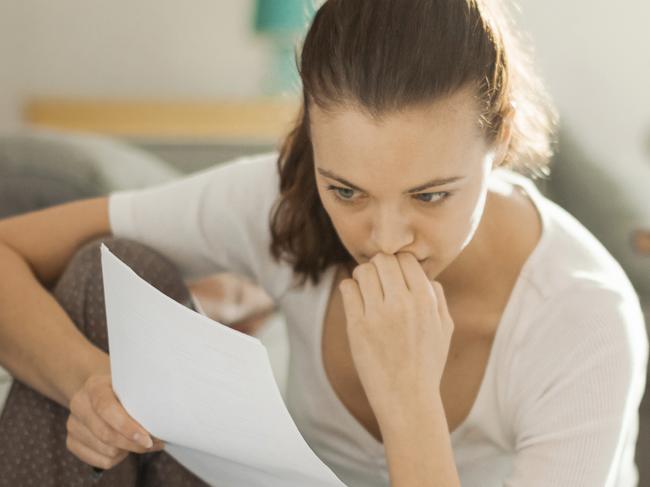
x=100, y=432
x=399, y=330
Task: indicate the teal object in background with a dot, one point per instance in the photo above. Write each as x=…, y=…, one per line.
x=283, y=22
x=283, y=16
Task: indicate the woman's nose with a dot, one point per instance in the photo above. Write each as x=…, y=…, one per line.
x=391, y=232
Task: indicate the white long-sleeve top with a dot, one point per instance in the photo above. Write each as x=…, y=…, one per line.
x=558, y=403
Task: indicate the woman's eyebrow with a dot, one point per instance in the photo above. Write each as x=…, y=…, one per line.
x=429, y=184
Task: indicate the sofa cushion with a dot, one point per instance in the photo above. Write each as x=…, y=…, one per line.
x=41, y=168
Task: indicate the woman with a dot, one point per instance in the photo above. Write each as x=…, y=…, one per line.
x=447, y=322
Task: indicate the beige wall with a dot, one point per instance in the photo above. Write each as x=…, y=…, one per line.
x=595, y=56
x=156, y=48
x=593, y=53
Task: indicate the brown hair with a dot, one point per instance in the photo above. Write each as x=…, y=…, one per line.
x=382, y=56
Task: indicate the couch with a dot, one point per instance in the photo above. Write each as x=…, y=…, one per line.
x=43, y=168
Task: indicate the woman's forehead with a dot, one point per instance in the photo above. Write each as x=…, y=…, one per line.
x=445, y=134
x=462, y=102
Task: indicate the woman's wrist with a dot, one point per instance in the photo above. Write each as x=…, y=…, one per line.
x=418, y=445
x=96, y=362
x=403, y=414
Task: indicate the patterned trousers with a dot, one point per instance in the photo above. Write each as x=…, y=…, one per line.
x=33, y=428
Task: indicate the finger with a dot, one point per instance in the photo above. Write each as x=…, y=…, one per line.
x=443, y=309
x=158, y=444
x=105, y=433
x=416, y=280
x=123, y=431
x=92, y=457
x=390, y=275
x=82, y=410
x=81, y=433
x=369, y=285
x=352, y=300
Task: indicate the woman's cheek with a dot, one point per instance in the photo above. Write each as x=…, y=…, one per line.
x=349, y=232
x=449, y=230
x=342, y=222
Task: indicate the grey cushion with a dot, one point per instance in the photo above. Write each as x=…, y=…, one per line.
x=42, y=168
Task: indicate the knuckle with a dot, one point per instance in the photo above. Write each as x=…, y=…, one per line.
x=107, y=408
x=356, y=273
x=431, y=293
x=96, y=402
x=102, y=400
x=104, y=435
x=113, y=452
x=401, y=307
x=74, y=402
x=401, y=300
x=363, y=268
x=103, y=404
x=373, y=313
x=403, y=258
x=409, y=301
x=119, y=421
x=451, y=325
x=439, y=287
x=429, y=302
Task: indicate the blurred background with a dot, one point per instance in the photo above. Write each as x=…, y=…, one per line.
x=100, y=96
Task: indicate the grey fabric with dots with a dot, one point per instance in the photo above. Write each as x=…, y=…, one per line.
x=33, y=428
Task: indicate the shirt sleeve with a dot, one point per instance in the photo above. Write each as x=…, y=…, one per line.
x=580, y=379
x=215, y=220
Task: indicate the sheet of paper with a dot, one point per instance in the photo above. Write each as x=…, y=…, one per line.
x=205, y=389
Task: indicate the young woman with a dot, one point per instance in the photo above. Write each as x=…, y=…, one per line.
x=448, y=324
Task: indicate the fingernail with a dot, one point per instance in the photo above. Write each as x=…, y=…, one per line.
x=144, y=440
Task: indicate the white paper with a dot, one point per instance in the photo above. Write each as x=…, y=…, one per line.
x=205, y=389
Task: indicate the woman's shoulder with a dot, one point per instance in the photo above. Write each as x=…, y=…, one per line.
x=567, y=255
x=571, y=291
x=576, y=299
x=213, y=220
x=253, y=172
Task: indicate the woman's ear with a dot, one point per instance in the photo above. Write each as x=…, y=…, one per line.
x=505, y=135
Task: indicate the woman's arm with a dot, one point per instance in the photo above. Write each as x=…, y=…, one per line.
x=39, y=344
x=399, y=330
x=418, y=445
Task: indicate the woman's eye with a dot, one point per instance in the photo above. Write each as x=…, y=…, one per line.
x=344, y=194
x=432, y=197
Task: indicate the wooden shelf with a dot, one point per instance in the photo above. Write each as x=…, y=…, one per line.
x=259, y=120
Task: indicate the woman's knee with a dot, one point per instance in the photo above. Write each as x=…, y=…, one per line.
x=80, y=289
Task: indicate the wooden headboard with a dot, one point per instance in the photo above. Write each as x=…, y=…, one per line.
x=258, y=120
